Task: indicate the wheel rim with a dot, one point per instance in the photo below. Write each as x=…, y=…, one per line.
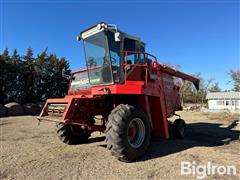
x=136, y=132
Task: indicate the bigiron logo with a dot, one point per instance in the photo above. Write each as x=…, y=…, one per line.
x=201, y=171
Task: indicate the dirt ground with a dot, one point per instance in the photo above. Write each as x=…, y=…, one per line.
x=29, y=151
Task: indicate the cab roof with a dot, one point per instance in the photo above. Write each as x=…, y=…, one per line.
x=105, y=26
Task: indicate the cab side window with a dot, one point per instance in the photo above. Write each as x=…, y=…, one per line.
x=133, y=45
x=130, y=45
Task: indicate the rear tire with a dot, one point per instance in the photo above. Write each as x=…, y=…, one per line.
x=179, y=129
x=128, y=132
x=70, y=134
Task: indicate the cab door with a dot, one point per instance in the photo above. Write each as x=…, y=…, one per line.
x=134, y=60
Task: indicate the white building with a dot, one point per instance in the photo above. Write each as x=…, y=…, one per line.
x=223, y=101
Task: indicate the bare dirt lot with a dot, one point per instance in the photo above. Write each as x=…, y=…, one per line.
x=29, y=151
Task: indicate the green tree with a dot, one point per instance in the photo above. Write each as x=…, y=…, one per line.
x=14, y=79
x=50, y=82
x=15, y=58
x=29, y=75
x=29, y=79
x=42, y=79
x=2, y=79
x=8, y=70
x=5, y=55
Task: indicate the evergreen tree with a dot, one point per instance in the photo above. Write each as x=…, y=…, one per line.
x=29, y=56
x=8, y=70
x=29, y=76
x=2, y=79
x=5, y=55
x=15, y=58
x=50, y=82
x=29, y=79
x=14, y=82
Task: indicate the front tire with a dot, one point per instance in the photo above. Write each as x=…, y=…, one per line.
x=70, y=134
x=128, y=132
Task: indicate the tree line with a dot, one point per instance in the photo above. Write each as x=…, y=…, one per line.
x=32, y=79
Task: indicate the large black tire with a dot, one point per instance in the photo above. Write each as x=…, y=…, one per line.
x=71, y=135
x=124, y=146
x=179, y=129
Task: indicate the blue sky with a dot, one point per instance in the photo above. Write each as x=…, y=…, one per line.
x=201, y=36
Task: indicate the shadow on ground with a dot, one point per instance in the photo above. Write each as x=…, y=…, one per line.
x=198, y=134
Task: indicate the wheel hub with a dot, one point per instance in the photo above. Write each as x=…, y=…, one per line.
x=136, y=132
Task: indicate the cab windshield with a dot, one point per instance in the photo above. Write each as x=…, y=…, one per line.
x=98, y=57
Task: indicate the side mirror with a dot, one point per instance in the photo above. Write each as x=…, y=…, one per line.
x=117, y=36
x=78, y=38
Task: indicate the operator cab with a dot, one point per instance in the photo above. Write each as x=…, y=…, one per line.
x=107, y=51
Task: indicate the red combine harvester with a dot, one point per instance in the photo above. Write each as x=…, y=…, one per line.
x=124, y=92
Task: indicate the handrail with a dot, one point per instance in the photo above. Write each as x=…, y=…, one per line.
x=126, y=53
x=138, y=52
